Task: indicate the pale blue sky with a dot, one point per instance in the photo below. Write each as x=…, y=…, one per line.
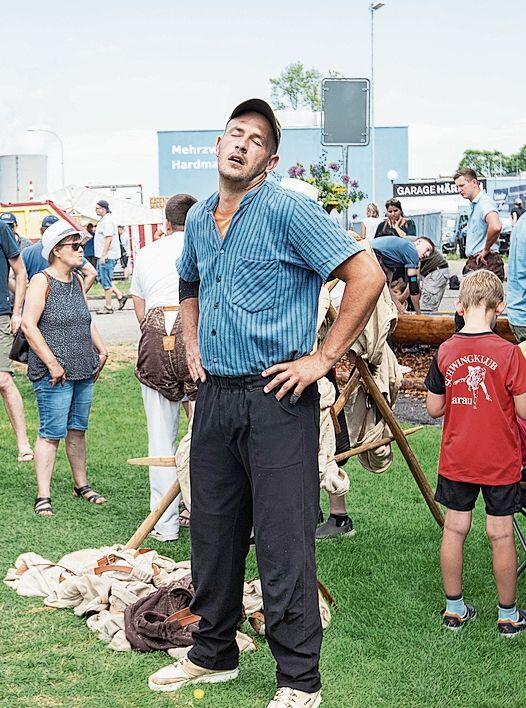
x=108, y=75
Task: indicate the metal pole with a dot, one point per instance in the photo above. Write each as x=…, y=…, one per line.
x=61, y=153
x=345, y=149
x=373, y=173
x=44, y=130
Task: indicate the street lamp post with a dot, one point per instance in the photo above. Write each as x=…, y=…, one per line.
x=373, y=7
x=392, y=175
x=44, y=130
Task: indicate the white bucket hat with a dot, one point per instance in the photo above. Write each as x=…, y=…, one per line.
x=54, y=234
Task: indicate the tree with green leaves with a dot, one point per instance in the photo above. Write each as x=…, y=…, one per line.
x=488, y=163
x=298, y=87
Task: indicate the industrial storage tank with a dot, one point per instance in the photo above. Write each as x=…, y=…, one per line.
x=16, y=173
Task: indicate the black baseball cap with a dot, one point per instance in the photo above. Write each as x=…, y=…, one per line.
x=104, y=204
x=257, y=105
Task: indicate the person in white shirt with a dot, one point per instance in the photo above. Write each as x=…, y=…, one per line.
x=371, y=221
x=107, y=249
x=161, y=362
x=124, y=239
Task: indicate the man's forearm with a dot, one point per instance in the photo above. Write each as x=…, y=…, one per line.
x=415, y=299
x=139, y=305
x=364, y=283
x=189, y=311
x=492, y=236
x=20, y=292
x=89, y=275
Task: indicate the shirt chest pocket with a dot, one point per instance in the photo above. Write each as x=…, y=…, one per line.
x=254, y=284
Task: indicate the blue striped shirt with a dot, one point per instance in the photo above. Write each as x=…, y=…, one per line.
x=516, y=295
x=260, y=284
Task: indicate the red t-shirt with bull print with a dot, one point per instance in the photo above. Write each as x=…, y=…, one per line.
x=479, y=375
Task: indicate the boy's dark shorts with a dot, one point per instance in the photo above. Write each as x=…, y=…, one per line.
x=500, y=500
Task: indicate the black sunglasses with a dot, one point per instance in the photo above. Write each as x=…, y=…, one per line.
x=75, y=245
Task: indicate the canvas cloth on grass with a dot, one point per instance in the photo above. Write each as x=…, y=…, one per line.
x=100, y=583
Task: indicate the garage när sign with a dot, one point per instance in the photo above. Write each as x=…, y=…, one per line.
x=440, y=188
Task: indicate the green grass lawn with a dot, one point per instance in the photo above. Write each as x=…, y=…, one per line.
x=123, y=285
x=385, y=646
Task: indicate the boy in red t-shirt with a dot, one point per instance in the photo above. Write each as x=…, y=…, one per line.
x=478, y=381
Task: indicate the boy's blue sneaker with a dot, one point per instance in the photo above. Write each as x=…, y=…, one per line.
x=508, y=628
x=454, y=621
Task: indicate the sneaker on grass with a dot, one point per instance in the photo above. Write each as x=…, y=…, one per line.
x=334, y=527
x=454, y=621
x=509, y=628
x=292, y=698
x=184, y=672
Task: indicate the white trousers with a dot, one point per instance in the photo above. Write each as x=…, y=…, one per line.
x=162, y=417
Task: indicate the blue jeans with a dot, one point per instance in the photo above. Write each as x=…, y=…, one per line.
x=62, y=408
x=105, y=272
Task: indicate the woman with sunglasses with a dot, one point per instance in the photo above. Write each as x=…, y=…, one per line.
x=395, y=223
x=66, y=356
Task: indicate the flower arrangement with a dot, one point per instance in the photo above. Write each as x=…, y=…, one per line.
x=336, y=189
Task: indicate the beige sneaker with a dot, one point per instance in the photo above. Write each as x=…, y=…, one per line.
x=183, y=672
x=292, y=698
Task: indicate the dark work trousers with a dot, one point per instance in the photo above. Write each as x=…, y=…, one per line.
x=254, y=461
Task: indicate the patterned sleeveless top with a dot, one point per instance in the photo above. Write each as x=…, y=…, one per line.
x=65, y=325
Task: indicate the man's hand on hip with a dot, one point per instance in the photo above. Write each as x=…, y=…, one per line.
x=481, y=257
x=294, y=376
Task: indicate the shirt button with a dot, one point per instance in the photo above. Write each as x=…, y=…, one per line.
x=216, y=305
x=213, y=333
x=222, y=251
x=218, y=279
x=215, y=360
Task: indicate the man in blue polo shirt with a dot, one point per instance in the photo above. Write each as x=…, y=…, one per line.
x=484, y=226
x=32, y=256
x=253, y=261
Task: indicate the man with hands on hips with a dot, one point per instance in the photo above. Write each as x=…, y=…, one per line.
x=254, y=259
x=484, y=226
